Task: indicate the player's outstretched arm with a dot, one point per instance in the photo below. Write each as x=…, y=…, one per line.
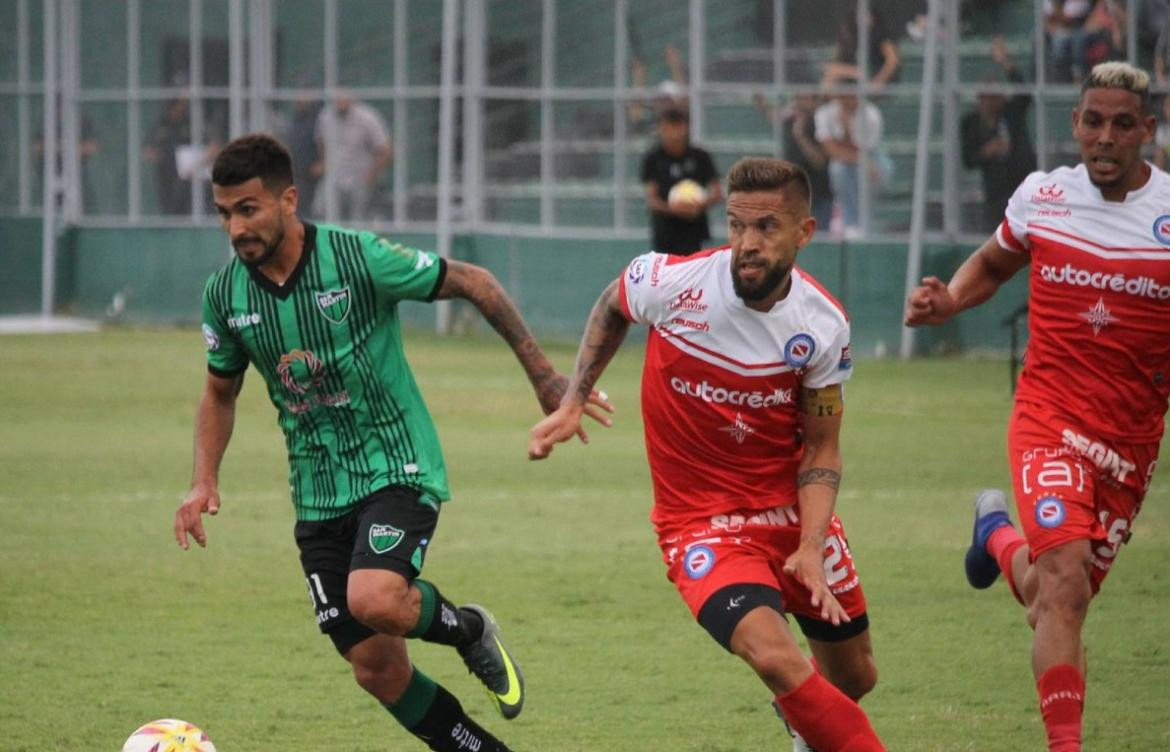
x=817, y=480
x=604, y=333
x=483, y=290
x=213, y=429
x=979, y=277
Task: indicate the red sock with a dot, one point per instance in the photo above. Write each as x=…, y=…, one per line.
x=1062, y=701
x=827, y=719
x=1002, y=545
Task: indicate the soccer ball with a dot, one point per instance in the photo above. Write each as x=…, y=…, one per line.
x=686, y=192
x=168, y=735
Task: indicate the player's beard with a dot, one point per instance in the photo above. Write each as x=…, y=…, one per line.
x=774, y=276
x=270, y=247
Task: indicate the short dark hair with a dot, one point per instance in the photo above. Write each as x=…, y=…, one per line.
x=768, y=174
x=674, y=114
x=256, y=155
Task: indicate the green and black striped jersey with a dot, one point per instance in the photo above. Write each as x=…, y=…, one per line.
x=329, y=346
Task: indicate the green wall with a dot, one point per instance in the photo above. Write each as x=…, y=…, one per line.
x=155, y=276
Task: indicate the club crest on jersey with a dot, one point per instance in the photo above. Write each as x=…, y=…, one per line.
x=334, y=305
x=1162, y=229
x=1049, y=512
x=698, y=561
x=384, y=538
x=799, y=349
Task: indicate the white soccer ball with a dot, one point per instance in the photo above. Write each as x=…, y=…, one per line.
x=686, y=192
x=168, y=735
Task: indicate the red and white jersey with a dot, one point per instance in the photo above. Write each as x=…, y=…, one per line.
x=1099, y=300
x=720, y=383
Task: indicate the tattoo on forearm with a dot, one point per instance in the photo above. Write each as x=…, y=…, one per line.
x=603, y=336
x=820, y=476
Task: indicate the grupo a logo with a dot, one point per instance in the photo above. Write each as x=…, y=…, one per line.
x=300, y=371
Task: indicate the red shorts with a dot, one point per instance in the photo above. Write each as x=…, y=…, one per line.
x=1072, y=485
x=750, y=547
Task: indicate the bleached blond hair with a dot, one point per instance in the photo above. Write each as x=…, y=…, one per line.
x=1119, y=75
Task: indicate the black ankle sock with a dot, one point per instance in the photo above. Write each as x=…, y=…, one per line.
x=440, y=621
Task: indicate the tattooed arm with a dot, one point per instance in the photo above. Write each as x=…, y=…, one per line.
x=604, y=333
x=817, y=480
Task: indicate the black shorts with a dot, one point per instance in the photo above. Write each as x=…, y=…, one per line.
x=389, y=529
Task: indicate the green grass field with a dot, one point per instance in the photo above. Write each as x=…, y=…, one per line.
x=107, y=624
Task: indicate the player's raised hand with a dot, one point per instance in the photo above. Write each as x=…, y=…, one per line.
x=929, y=303
x=189, y=515
x=807, y=565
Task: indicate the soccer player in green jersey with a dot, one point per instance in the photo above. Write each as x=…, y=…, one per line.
x=314, y=309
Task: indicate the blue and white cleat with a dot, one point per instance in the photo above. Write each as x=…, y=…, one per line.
x=991, y=513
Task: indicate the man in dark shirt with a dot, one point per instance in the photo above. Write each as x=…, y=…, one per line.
x=996, y=140
x=678, y=224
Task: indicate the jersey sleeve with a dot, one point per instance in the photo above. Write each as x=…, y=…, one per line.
x=1012, y=233
x=642, y=297
x=833, y=364
x=401, y=272
x=225, y=355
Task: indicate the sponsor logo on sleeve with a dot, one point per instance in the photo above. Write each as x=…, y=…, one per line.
x=1049, y=512
x=846, y=361
x=799, y=349
x=210, y=338
x=1162, y=229
x=636, y=271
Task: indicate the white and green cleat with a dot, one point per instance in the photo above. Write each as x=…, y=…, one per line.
x=491, y=662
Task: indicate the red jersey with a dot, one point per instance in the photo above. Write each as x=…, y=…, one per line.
x=1099, y=301
x=720, y=383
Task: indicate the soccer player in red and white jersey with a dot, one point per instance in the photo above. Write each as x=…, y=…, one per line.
x=742, y=401
x=1089, y=408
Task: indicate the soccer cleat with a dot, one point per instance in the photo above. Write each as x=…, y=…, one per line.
x=491, y=662
x=798, y=742
x=991, y=513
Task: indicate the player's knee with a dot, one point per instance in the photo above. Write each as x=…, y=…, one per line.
x=858, y=680
x=777, y=664
x=383, y=679
x=382, y=606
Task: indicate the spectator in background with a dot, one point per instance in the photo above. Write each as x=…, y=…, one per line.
x=798, y=144
x=884, y=64
x=678, y=223
x=1079, y=33
x=167, y=145
x=87, y=148
x=360, y=141
x=299, y=133
x=851, y=134
x=671, y=94
x=995, y=139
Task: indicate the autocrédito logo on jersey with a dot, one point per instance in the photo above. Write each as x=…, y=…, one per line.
x=384, y=538
x=799, y=349
x=1050, y=512
x=718, y=395
x=334, y=304
x=1142, y=287
x=698, y=561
